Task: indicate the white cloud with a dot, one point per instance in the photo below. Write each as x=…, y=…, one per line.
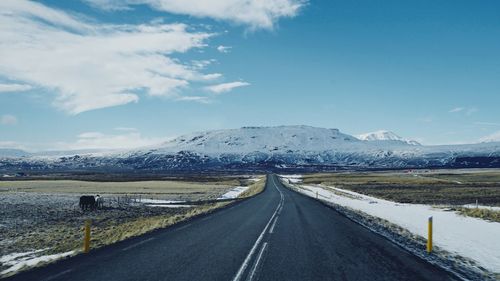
x=126, y=138
x=225, y=87
x=426, y=119
x=491, y=138
x=467, y=110
x=8, y=119
x=199, y=99
x=91, y=65
x=11, y=145
x=253, y=13
x=471, y=111
x=224, y=49
x=126, y=129
x=120, y=138
x=487, y=123
x=6, y=88
x=456, y=109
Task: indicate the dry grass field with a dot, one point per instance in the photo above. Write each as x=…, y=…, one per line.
x=135, y=187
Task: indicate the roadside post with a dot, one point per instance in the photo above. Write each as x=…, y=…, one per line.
x=429, y=236
x=86, y=239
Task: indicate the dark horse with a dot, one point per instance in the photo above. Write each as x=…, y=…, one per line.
x=87, y=202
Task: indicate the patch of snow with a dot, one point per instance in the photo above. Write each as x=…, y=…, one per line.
x=159, y=201
x=468, y=237
x=7, y=259
x=169, y=206
x=20, y=260
x=292, y=178
x=233, y=193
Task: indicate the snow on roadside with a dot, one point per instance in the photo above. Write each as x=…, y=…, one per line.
x=164, y=203
x=17, y=261
x=292, y=178
x=159, y=201
x=233, y=193
x=468, y=237
x=169, y=205
x=16, y=256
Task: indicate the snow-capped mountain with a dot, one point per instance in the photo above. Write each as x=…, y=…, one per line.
x=290, y=148
x=384, y=135
x=262, y=139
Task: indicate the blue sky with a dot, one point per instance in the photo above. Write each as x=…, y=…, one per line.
x=105, y=73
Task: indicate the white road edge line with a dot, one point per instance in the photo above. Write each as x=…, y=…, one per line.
x=58, y=274
x=257, y=261
x=137, y=244
x=244, y=265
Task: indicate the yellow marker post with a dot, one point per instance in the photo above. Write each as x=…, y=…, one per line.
x=429, y=236
x=86, y=239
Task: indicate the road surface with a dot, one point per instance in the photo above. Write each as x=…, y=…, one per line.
x=277, y=235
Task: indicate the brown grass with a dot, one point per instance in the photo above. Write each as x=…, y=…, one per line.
x=137, y=187
x=485, y=214
x=433, y=188
x=255, y=188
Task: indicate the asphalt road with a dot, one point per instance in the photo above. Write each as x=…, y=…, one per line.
x=277, y=235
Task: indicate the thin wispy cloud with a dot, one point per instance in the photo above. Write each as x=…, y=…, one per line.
x=226, y=87
x=122, y=139
x=466, y=110
x=256, y=14
x=471, y=111
x=8, y=119
x=486, y=123
x=456, y=109
x=7, y=88
x=199, y=99
x=91, y=65
x=224, y=49
x=426, y=119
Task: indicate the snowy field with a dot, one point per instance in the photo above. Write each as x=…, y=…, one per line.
x=472, y=238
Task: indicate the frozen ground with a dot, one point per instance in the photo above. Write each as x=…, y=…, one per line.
x=472, y=238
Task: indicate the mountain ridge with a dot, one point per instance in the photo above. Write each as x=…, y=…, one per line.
x=289, y=148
